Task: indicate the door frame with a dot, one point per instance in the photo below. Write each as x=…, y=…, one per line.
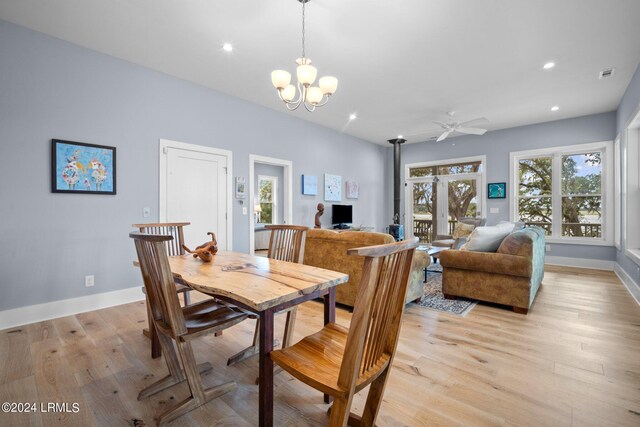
x=164, y=145
x=408, y=197
x=287, y=188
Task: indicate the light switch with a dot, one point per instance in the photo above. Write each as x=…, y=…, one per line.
x=244, y=210
x=146, y=212
x=494, y=210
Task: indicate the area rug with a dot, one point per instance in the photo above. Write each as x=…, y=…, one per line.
x=434, y=300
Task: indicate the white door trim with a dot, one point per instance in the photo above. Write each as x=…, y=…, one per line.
x=162, y=208
x=287, y=188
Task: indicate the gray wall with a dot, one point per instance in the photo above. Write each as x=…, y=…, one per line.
x=497, y=145
x=53, y=89
x=629, y=105
x=270, y=170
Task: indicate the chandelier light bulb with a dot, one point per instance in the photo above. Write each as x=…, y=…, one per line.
x=314, y=95
x=306, y=74
x=288, y=93
x=280, y=79
x=328, y=85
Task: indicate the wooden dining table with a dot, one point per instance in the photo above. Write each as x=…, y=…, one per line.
x=262, y=286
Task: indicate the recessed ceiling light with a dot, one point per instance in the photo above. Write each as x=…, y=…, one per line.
x=549, y=65
x=555, y=108
x=353, y=116
x=227, y=47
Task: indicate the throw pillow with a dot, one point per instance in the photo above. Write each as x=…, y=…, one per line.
x=487, y=239
x=462, y=230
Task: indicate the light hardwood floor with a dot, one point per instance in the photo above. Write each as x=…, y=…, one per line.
x=574, y=360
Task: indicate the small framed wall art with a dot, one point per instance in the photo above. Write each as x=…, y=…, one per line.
x=309, y=185
x=332, y=188
x=241, y=187
x=497, y=190
x=353, y=191
x=78, y=167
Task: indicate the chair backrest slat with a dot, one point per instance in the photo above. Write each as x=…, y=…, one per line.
x=286, y=242
x=158, y=281
x=173, y=229
x=375, y=324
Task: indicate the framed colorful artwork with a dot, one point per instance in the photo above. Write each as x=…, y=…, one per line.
x=497, y=190
x=353, y=191
x=77, y=167
x=309, y=185
x=332, y=188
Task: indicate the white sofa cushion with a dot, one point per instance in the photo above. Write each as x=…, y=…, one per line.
x=487, y=239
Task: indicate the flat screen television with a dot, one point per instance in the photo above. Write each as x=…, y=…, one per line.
x=341, y=214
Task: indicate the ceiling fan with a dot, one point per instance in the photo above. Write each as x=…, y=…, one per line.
x=463, y=127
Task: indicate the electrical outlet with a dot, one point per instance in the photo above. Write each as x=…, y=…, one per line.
x=244, y=210
x=89, y=281
x=494, y=210
x=146, y=212
x=547, y=248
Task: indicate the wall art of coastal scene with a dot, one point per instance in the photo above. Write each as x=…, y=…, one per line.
x=78, y=167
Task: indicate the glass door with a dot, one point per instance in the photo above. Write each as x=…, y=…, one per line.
x=462, y=198
x=435, y=204
x=422, y=196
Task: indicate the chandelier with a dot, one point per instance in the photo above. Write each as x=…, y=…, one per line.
x=309, y=96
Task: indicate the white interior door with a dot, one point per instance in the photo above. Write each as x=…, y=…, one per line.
x=196, y=191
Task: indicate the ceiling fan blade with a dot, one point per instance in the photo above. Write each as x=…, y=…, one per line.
x=444, y=135
x=478, y=121
x=472, y=131
x=442, y=125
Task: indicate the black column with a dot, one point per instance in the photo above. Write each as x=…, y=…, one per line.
x=396, y=177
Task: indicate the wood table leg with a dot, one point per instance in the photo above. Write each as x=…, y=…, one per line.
x=265, y=369
x=329, y=317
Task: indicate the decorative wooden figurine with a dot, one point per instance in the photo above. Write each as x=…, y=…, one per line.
x=206, y=250
x=320, y=208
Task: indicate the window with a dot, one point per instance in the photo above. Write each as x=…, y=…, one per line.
x=562, y=190
x=268, y=196
x=631, y=194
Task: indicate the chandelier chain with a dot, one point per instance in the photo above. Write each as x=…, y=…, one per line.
x=303, y=4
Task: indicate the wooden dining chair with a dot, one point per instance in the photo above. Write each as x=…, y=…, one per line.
x=174, y=323
x=339, y=361
x=173, y=248
x=285, y=244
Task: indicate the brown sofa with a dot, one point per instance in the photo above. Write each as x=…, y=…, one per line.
x=328, y=249
x=511, y=276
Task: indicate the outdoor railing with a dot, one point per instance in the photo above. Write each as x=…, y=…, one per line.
x=423, y=228
x=572, y=229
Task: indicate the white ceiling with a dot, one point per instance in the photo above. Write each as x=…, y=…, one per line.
x=400, y=64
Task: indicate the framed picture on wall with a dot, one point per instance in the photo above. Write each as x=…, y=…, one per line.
x=497, y=190
x=332, y=188
x=78, y=167
x=353, y=190
x=309, y=185
x=241, y=188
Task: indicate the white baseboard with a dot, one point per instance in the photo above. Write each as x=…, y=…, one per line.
x=628, y=282
x=596, y=264
x=68, y=307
